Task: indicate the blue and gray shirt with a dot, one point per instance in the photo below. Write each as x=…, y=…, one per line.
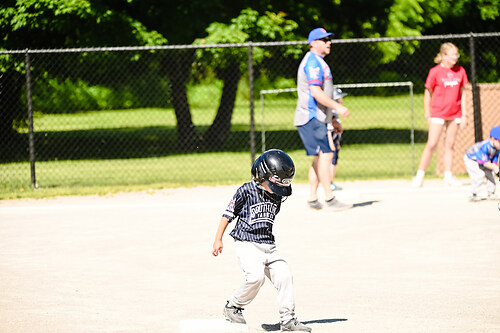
x=256, y=210
x=483, y=152
x=313, y=70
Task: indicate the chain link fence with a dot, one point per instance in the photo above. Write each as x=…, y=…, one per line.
x=193, y=114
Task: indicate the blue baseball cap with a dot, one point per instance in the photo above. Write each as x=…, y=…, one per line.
x=318, y=33
x=495, y=132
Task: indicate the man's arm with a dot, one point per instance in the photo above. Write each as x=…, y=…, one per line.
x=322, y=98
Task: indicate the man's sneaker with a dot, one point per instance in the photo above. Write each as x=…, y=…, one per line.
x=417, y=181
x=452, y=181
x=315, y=204
x=474, y=198
x=295, y=326
x=234, y=314
x=337, y=205
x=335, y=187
x=492, y=196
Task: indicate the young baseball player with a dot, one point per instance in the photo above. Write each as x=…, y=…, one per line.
x=255, y=206
x=334, y=133
x=481, y=160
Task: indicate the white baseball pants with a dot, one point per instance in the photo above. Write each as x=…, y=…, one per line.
x=258, y=261
x=477, y=174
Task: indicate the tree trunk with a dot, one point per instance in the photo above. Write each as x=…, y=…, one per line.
x=11, y=83
x=218, y=132
x=177, y=68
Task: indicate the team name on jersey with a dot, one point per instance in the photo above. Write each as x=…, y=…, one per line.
x=262, y=212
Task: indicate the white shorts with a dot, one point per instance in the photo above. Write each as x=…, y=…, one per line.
x=441, y=121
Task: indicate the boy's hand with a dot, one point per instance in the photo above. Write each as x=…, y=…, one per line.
x=217, y=248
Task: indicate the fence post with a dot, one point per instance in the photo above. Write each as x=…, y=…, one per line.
x=250, y=87
x=412, y=131
x=31, y=135
x=478, y=126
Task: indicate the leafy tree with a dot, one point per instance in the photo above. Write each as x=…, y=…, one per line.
x=56, y=24
x=390, y=18
x=248, y=26
x=69, y=23
x=80, y=23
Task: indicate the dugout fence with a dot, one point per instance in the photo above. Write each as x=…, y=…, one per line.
x=103, y=116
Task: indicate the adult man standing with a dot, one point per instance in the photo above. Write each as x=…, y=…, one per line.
x=315, y=92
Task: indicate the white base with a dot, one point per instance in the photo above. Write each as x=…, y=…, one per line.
x=210, y=325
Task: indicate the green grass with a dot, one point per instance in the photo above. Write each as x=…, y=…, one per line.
x=106, y=176
x=78, y=155
x=100, y=177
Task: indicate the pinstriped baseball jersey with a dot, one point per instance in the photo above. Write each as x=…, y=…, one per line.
x=256, y=210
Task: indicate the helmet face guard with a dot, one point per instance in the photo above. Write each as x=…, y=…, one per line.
x=275, y=168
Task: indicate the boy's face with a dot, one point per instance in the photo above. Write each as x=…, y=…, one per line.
x=495, y=143
x=266, y=187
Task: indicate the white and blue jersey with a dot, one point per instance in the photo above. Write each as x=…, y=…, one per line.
x=256, y=210
x=313, y=70
x=483, y=152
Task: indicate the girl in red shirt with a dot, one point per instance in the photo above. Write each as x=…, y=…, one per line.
x=444, y=103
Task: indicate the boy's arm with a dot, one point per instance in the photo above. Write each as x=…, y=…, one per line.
x=218, y=236
x=491, y=166
x=330, y=140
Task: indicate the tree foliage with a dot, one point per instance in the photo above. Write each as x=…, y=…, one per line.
x=70, y=23
x=43, y=24
x=249, y=25
x=73, y=23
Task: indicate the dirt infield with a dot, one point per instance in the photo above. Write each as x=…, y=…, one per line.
x=402, y=260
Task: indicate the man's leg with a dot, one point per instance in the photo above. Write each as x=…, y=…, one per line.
x=319, y=174
x=323, y=173
x=313, y=180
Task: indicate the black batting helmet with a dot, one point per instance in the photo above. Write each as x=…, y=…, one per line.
x=276, y=168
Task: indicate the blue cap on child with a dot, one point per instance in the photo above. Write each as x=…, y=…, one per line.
x=495, y=132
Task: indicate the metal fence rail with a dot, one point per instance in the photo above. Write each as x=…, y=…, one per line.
x=348, y=86
x=79, y=109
